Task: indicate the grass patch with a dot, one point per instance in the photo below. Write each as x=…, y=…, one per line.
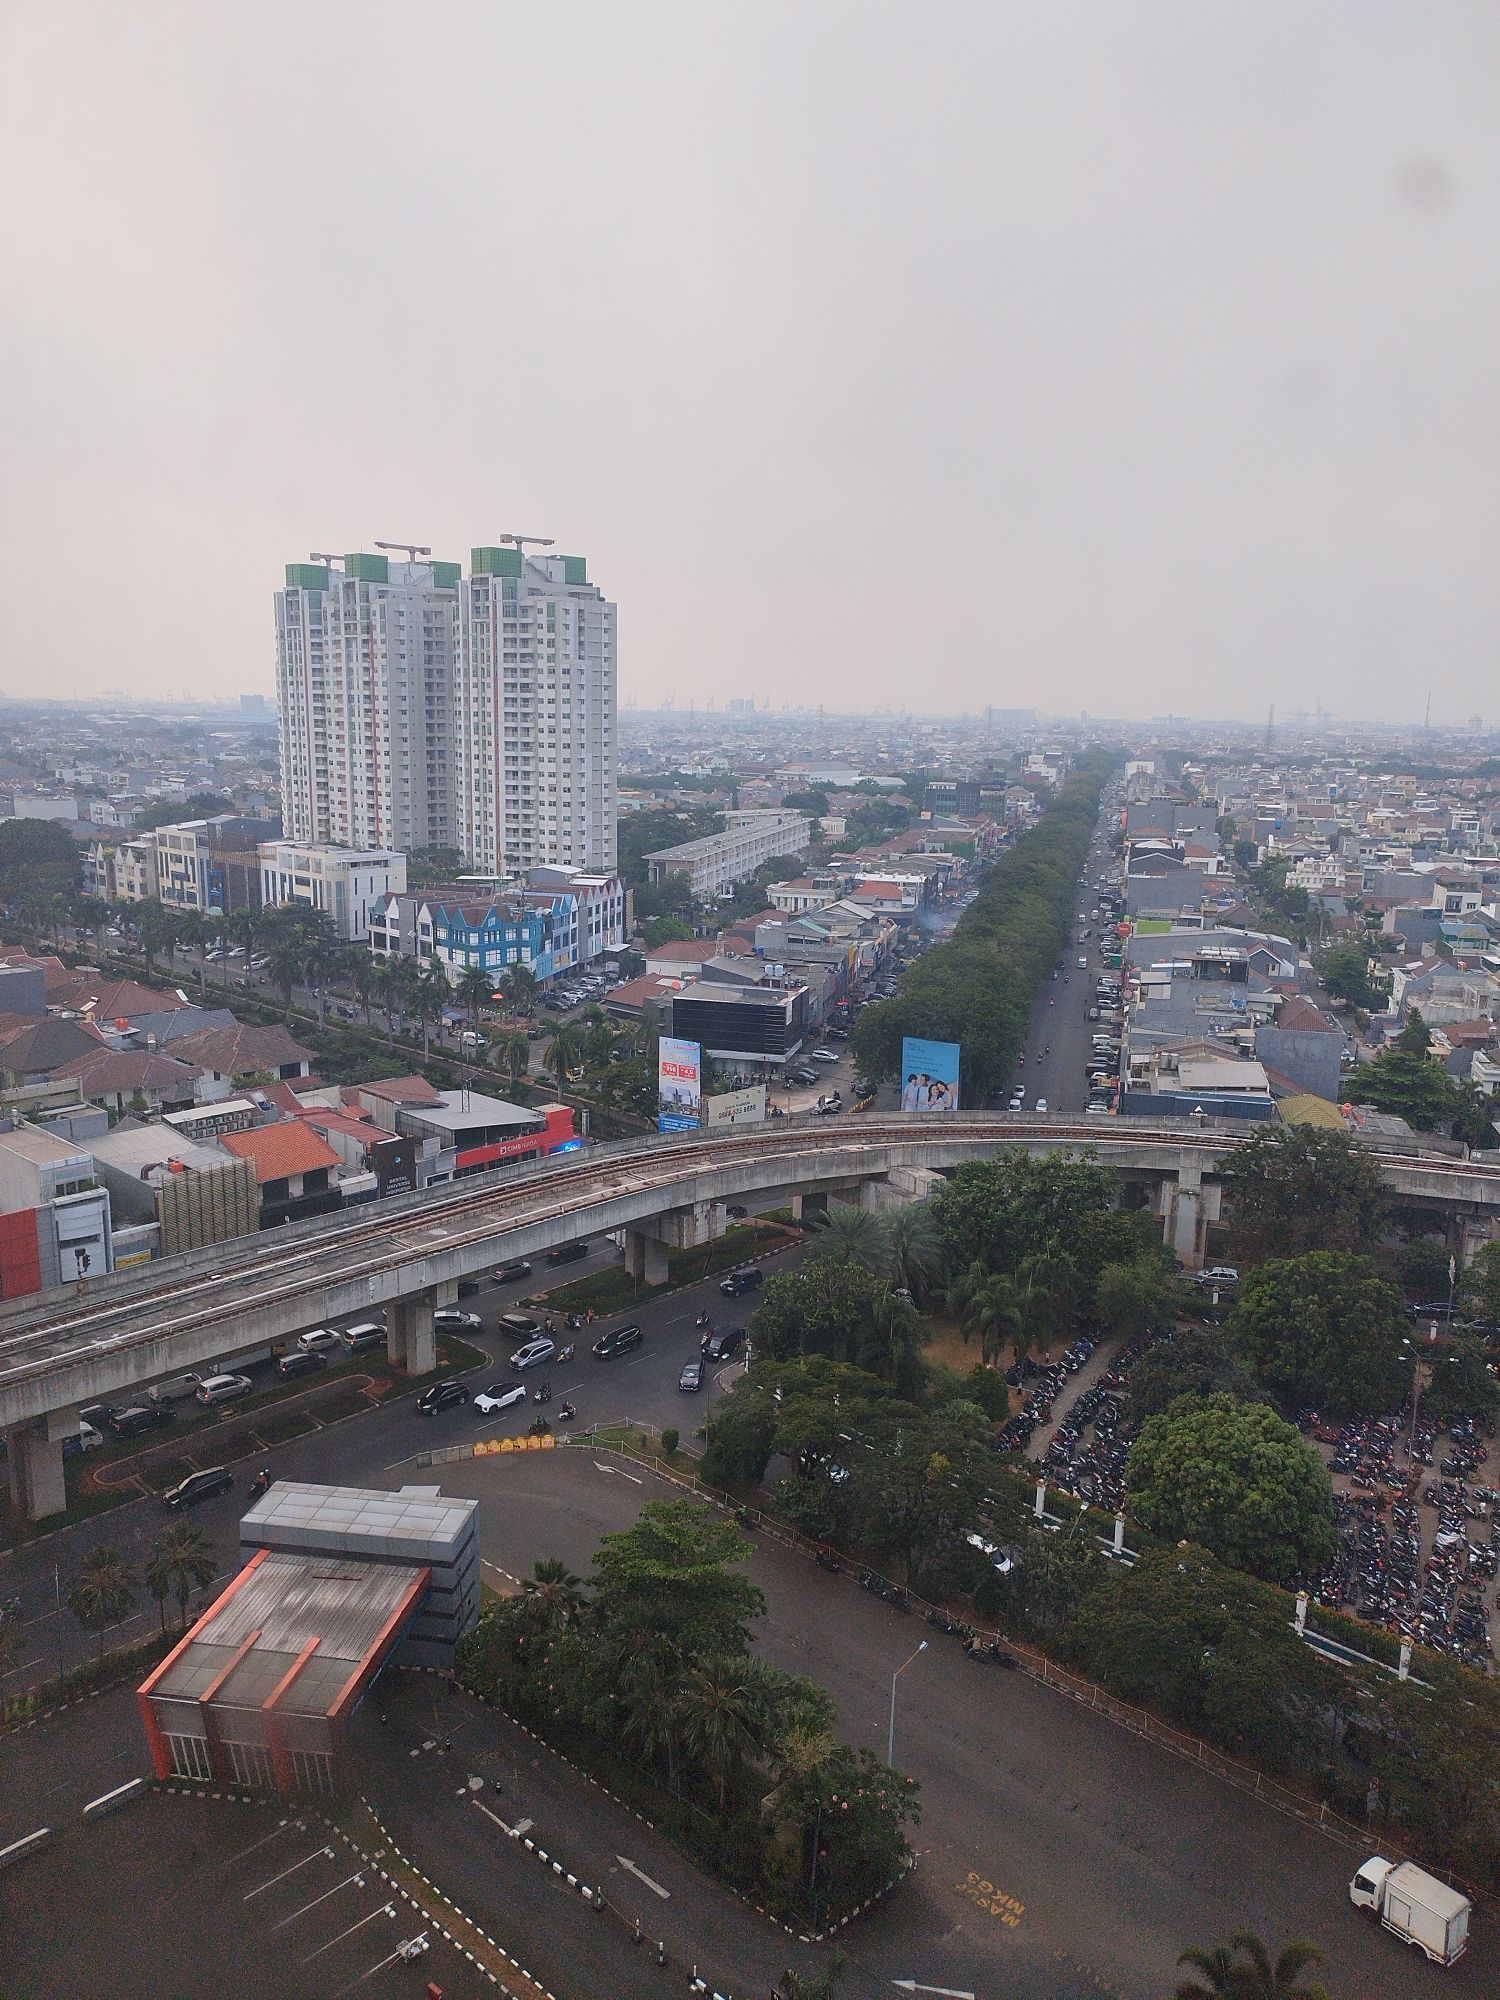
x=606, y=1291
x=93, y=1675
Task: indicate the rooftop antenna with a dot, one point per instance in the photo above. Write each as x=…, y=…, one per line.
x=413, y=549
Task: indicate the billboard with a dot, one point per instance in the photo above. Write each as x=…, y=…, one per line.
x=679, y=1084
x=737, y=1107
x=929, y=1075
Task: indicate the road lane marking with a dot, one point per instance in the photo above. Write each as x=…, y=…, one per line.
x=945, y=1992
x=640, y=1876
x=618, y=1473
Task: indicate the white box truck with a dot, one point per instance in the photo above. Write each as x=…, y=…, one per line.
x=1415, y=1905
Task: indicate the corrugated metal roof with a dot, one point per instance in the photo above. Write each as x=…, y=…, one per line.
x=285, y=1605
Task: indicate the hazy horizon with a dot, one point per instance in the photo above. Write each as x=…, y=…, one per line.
x=1049, y=356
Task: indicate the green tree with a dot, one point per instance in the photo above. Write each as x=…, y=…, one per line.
x=1214, y=1651
x=102, y=1592
x=1415, y=1039
x=552, y=1596
x=1474, y=1113
x=994, y=1305
x=1460, y=1383
x=1422, y=1267
x=473, y=992
x=1345, y=972
x=1237, y=1479
x=826, y=1308
x=1196, y=1361
x=287, y=968
x=670, y=1577
x=181, y=1560
x=1410, y=1086
x=1321, y=1329
x=519, y=985
x=564, y=1053
x=431, y=867
x=1244, y=1970
x=914, y=1249
x=511, y=1051
x=722, y=1712
x=177, y=812
x=1245, y=853
x=1480, y=1285
x=1293, y=1189
x=360, y=972
x=739, y=1436
x=848, y=1234
x=1131, y=1298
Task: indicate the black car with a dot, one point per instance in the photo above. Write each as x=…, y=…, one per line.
x=720, y=1346
x=741, y=1281
x=737, y=1210
x=507, y=1273
x=619, y=1340
x=567, y=1253
x=690, y=1381
x=301, y=1364
x=442, y=1396
x=199, y=1486
x=140, y=1417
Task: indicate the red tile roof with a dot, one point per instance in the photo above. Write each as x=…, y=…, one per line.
x=280, y=1151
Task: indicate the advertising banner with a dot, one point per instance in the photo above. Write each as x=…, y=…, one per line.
x=736, y=1107
x=679, y=1084
x=929, y=1075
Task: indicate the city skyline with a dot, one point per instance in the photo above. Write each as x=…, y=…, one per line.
x=1143, y=361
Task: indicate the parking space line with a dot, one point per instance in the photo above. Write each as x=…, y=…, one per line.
x=319, y=1899
x=318, y=1853
x=385, y=1910
x=275, y=1834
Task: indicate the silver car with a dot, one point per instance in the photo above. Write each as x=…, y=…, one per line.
x=534, y=1353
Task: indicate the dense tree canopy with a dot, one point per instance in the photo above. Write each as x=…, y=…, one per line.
x=1212, y=1648
x=1295, y=1188
x=1410, y=1086
x=977, y=989
x=1237, y=1479
x=1196, y=1361
x=1321, y=1329
x=1345, y=971
x=1000, y=1211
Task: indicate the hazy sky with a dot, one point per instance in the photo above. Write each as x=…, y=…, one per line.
x=1126, y=356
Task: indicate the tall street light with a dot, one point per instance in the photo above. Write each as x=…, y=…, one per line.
x=890, y=1741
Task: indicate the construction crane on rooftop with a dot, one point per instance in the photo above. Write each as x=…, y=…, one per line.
x=519, y=541
x=322, y=556
x=413, y=549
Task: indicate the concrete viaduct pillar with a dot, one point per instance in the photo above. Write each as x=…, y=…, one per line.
x=648, y=1246
x=411, y=1341
x=37, y=1485
x=646, y=1257
x=1187, y=1208
x=809, y=1207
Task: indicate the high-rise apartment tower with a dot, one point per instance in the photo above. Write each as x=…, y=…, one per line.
x=419, y=708
x=365, y=681
x=537, y=695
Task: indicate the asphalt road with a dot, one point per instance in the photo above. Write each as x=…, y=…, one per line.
x=381, y=1447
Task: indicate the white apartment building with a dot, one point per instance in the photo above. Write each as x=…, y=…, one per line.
x=537, y=702
x=719, y=860
x=347, y=882
x=365, y=680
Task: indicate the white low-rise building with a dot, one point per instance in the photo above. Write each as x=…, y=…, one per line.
x=346, y=882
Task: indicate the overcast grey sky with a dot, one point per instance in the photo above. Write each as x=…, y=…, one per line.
x=1126, y=357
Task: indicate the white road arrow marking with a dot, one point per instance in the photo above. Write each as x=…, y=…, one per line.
x=615, y=1469
x=665, y=1894
x=944, y=1992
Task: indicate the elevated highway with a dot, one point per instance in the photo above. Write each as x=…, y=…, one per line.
x=405, y=1257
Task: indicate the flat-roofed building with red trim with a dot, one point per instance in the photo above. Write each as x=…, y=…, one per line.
x=340, y=1582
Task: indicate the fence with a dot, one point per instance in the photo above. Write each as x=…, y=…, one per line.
x=1138, y=1721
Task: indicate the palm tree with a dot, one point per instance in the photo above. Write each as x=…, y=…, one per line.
x=319, y=959
x=722, y=1708
x=850, y=1235
x=518, y=983
x=1231, y=1978
x=512, y=1051
x=155, y=929
x=430, y=993
x=288, y=962
x=474, y=988
x=552, y=1595
x=361, y=974
x=813, y=1985
x=181, y=1561
x=562, y=1054
x=914, y=1249
x=187, y=932
x=102, y=1592
x=1055, y=1284
x=892, y=1344
x=993, y=1306
x=649, y=1720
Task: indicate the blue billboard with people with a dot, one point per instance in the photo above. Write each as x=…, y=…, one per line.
x=929, y=1075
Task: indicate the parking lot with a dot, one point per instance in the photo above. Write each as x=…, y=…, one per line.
x=177, y=1895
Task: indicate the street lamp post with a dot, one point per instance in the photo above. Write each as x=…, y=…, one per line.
x=890, y=1741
